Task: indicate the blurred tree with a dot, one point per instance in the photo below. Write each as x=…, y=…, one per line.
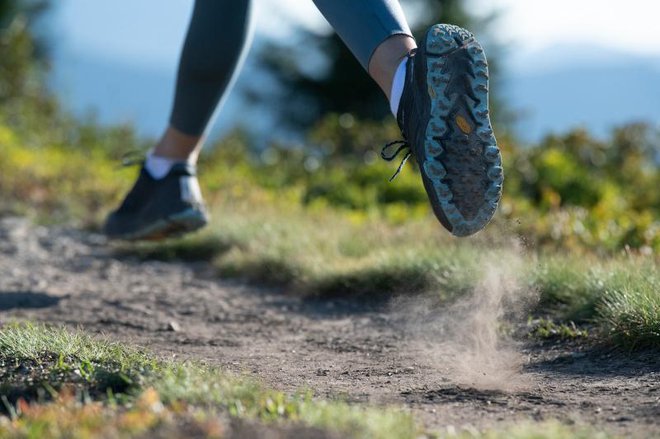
x=10, y=9
x=20, y=16
x=337, y=83
x=23, y=59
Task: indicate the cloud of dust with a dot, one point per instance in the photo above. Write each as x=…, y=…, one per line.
x=470, y=339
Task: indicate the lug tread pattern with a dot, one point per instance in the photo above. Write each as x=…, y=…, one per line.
x=464, y=165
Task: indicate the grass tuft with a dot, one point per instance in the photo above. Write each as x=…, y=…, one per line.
x=161, y=395
x=36, y=362
x=547, y=329
x=631, y=315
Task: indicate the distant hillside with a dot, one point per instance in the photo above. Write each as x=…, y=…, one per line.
x=564, y=87
x=124, y=93
x=114, y=92
x=552, y=90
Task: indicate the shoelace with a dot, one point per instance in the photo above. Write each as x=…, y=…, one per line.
x=132, y=157
x=403, y=144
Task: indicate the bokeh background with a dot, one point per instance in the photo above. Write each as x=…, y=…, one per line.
x=564, y=64
x=300, y=200
x=575, y=98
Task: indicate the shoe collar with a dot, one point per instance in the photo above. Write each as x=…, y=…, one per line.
x=183, y=168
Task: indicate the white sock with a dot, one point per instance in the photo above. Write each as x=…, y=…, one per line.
x=398, y=82
x=157, y=166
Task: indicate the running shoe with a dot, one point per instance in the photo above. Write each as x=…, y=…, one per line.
x=444, y=119
x=159, y=209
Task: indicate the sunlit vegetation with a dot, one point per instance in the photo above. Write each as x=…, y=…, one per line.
x=318, y=218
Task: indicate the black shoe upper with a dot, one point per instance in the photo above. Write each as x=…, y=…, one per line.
x=443, y=117
x=413, y=118
x=151, y=200
x=414, y=106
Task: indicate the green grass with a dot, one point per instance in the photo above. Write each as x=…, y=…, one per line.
x=340, y=230
x=54, y=360
x=175, y=399
x=546, y=329
x=323, y=252
x=268, y=229
x=631, y=314
x=621, y=296
x=32, y=355
x=573, y=286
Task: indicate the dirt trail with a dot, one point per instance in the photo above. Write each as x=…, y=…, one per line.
x=336, y=348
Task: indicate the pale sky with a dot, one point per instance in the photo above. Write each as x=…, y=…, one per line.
x=141, y=40
x=630, y=25
x=147, y=31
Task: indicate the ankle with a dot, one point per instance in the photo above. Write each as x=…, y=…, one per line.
x=177, y=146
x=386, y=60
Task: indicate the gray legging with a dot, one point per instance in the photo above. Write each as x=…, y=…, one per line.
x=217, y=35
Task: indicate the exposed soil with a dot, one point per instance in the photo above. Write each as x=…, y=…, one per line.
x=336, y=348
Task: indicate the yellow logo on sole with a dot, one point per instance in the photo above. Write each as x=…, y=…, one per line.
x=463, y=124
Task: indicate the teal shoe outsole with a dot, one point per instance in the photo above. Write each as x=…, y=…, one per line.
x=174, y=226
x=461, y=164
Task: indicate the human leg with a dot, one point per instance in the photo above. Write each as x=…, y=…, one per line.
x=442, y=88
x=211, y=55
x=376, y=31
x=166, y=200
x=444, y=119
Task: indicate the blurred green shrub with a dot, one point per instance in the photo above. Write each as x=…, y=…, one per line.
x=570, y=191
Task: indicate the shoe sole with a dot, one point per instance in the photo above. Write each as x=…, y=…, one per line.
x=173, y=226
x=462, y=164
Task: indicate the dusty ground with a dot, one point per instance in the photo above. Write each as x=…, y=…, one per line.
x=337, y=348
